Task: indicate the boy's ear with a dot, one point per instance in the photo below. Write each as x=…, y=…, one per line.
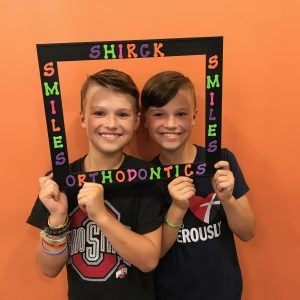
x=82, y=120
x=194, y=118
x=137, y=121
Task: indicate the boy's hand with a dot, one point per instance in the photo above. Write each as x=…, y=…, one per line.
x=91, y=200
x=223, y=181
x=181, y=190
x=54, y=200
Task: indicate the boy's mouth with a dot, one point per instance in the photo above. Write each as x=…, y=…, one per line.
x=170, y=135
x=110, y=136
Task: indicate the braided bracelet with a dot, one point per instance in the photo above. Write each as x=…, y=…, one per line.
x=59, y=226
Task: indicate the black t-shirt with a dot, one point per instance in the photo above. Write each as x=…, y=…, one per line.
x=95, y=270
x=203, y=263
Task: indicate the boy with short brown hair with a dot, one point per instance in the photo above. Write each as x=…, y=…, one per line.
x=108, y=238
x=199, y=255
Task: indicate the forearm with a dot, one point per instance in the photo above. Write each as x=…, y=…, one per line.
x=50, y=265
x=134, y=248
x=175, y=215
x=241, y=219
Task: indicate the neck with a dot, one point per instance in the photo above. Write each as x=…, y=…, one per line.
x=96, y=162
x=185, y=154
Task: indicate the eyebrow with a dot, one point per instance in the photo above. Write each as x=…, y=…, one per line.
x=103, y=107
x=161, y=108
x=121, y=109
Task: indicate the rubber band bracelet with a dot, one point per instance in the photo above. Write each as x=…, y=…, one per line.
x=54, y=242
x=55, y=245
x=54, y=252
x=167, y=222
x=55, y=238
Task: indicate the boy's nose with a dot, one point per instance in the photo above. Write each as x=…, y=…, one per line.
x=110, y=121
x=170, y=122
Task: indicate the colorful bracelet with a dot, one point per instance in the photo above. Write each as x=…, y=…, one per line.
x=54, y=252
x=55, y=245
x=167, y=222
x=54, y=242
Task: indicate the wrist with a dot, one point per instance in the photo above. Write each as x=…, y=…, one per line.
x=102, y=219
x=177, y=209
x=57, y=219
x=228, y=201
x=175, y=214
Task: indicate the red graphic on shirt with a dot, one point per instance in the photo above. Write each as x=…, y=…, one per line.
x=91, y=254
x=122, y=271
x=201, y=207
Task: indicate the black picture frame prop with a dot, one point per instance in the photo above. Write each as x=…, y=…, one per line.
x=50, y=54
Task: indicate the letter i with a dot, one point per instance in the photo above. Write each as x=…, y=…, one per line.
x=176, y=170
x=52, y=102
x=212, y=94
x=120, y=50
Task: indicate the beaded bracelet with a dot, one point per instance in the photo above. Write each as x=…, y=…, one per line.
x=54, y=237
x=59, y=230
x=167, y=222
x=54, y=252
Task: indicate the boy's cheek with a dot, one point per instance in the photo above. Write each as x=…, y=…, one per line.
x=153, y=124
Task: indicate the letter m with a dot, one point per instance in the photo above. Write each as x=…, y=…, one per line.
x=213, y=83
x=50, y=91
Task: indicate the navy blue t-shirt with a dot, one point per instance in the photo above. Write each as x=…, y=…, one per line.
x=203, y=263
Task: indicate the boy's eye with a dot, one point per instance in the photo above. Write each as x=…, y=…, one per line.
x=99, y=113
x=123, y=115
x=181, y=114
x=158, y=114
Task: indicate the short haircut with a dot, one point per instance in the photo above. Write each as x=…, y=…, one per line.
x=162, y=87
x=112, y=79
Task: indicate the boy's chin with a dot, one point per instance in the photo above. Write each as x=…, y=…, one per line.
x=170, y=148
x=109, y=150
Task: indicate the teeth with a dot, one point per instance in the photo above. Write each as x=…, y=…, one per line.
x=171, y=134
x=109, y=135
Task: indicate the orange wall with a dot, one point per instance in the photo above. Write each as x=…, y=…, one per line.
x=260, y=119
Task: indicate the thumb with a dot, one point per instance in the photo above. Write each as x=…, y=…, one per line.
x=63, y=196
x=222, y=164
x=42, y=180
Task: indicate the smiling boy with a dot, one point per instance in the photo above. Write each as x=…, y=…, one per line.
x=199, y=259
x=108, y=237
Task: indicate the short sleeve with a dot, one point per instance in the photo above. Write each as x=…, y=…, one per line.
x=39, y=215
x=150, y=209
x=240, y=185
